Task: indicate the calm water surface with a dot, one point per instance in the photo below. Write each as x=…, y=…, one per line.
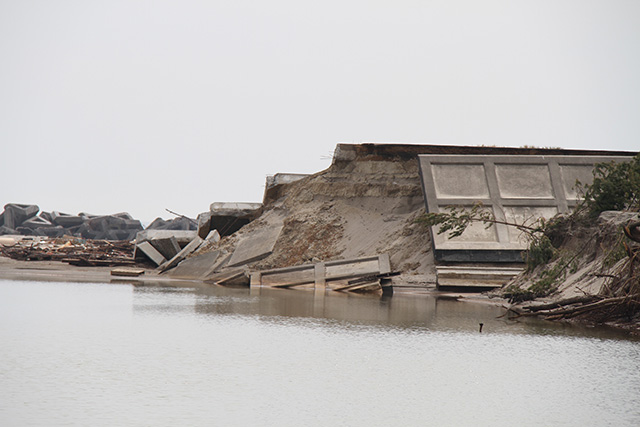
x=117, y=354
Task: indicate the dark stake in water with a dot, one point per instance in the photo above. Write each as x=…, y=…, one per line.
x=116, y=354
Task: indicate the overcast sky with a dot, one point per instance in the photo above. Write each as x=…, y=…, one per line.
x=138, y=106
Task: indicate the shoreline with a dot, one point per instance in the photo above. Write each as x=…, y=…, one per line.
x=55, y=271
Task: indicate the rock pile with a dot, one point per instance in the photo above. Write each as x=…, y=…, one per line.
x=24, y=220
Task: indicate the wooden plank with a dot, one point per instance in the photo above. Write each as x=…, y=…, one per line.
x=128, y=272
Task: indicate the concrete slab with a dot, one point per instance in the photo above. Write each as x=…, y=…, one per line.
x=514, y=188
x=182, y=236
x=256, y=246
x=319, y=274
x=234, y=208
x=186, y=251
x=196, y=267
x=151, y=252
x=167, y=247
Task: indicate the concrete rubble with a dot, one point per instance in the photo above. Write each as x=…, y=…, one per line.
x=19, y=219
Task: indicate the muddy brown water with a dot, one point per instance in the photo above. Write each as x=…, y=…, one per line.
x=118, y=354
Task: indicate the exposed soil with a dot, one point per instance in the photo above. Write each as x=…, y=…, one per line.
x=356, y=208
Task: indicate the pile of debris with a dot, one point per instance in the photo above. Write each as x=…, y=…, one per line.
x=71, y=250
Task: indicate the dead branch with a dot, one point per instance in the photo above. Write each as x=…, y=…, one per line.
x=562, y=303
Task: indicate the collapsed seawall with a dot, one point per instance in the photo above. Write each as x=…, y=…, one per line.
x=362, y=205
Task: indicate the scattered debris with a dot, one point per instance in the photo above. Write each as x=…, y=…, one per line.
x=74, y=251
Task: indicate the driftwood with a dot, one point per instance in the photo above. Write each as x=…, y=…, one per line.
x=568, y=308
x=561, y=303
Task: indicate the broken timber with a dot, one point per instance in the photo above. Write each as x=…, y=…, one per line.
x=332, y=274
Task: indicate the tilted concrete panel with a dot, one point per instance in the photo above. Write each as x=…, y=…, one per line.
x=517, y=189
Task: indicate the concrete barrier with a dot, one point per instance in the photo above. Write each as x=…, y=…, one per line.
x=515, y=188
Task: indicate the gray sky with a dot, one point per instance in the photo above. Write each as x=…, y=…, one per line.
x=138, y=106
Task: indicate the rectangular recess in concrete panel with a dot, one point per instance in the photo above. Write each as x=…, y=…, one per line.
x=515, y=188
x=447, y=184
x=524, y=181
x=570, y=174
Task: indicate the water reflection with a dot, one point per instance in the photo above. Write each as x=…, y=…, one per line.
x=404, y=311
x=117, y=354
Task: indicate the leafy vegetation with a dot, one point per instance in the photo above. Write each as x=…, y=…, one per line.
x=615, y=186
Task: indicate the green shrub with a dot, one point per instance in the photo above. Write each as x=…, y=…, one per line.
x=615, y=186
x=540, y=252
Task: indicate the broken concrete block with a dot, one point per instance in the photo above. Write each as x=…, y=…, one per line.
x=196, y=267
x=87, y=216
x=46, y=215
x=36, y=222
x=106, y=223
x=65, y=220
x=192, y=246
x=85, y=232
x=157, y=224
x=167, y=247
x=213, y=236
x=182, y=236
x=204, y=224
x=228, y=218
x=181, y=223
x=151, y=253
x=237, y=209
x=133, y=224
x=15, y=214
